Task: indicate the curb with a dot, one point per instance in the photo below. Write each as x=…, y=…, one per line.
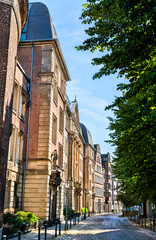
x=147, y=232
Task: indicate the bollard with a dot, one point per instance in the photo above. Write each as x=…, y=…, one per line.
x=45, y=236
x=39, y=232
x=19, y=235
x=59, y=227
x=150, y=224
x=154, y=223
x=70, y=221
x=4, y=237
x=55, y=228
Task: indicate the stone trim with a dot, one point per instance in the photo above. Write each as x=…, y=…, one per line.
x=14, y=4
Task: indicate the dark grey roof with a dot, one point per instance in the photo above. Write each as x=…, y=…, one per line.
x=39, y=25
x=95, y=146
x=86, y=135
x=104, y=157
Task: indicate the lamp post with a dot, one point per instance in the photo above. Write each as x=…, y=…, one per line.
x=67, y=184
x=85, y=192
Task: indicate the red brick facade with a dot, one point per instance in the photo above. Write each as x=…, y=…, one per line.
x=9, y=36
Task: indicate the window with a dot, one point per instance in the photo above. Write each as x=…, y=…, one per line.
x=99, y=191
x=60, y=162
x=98, y=179
x=19, y=149
x=22, y=105
x=98, y=169
x=15, y=101
x=61, y=120
x=7, y=194
x=54, y=129
x=12, y=145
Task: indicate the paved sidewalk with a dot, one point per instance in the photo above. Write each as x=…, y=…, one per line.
x=51, y=231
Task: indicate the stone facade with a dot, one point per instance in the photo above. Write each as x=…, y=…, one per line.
x=75, y=158
x=41, y=137
x=98, y=180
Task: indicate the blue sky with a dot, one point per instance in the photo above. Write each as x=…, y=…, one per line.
x=92, y=95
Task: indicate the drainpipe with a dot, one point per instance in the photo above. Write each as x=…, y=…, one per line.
x=67, y=205
x=27, y=152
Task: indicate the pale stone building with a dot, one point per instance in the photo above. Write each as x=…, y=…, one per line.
x=75, y=157
x=99, y=194
x=89, y=170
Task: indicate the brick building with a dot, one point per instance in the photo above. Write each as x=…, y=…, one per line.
x=40, y=53
x=12, y=19
x=107, y=182
x=18, y=141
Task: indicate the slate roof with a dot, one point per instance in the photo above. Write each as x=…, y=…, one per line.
x=73, y=105
x=39, y=24
x=104, y=157
x=95, y=146
x=86, y=135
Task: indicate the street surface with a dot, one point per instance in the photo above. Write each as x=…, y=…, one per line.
x=109, y=227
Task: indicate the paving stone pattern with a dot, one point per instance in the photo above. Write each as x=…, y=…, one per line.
x=99, y=227
x=109, y=227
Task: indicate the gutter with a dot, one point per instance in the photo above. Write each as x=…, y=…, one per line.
x=27, y=152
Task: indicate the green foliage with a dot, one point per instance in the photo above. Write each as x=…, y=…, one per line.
x=126, y=199
x=83, y=210
x=20, y=218
x=70, y=212
x=125, y=33
x=126, y=29
x=9, y=218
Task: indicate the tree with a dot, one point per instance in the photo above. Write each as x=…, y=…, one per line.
x=133, y=132
x=126, y=29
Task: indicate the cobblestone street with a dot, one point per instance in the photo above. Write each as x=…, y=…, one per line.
x=109, y=227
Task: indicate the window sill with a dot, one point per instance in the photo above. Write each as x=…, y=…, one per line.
x=21, y=118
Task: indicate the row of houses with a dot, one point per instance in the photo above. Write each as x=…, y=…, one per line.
x=48, y=159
